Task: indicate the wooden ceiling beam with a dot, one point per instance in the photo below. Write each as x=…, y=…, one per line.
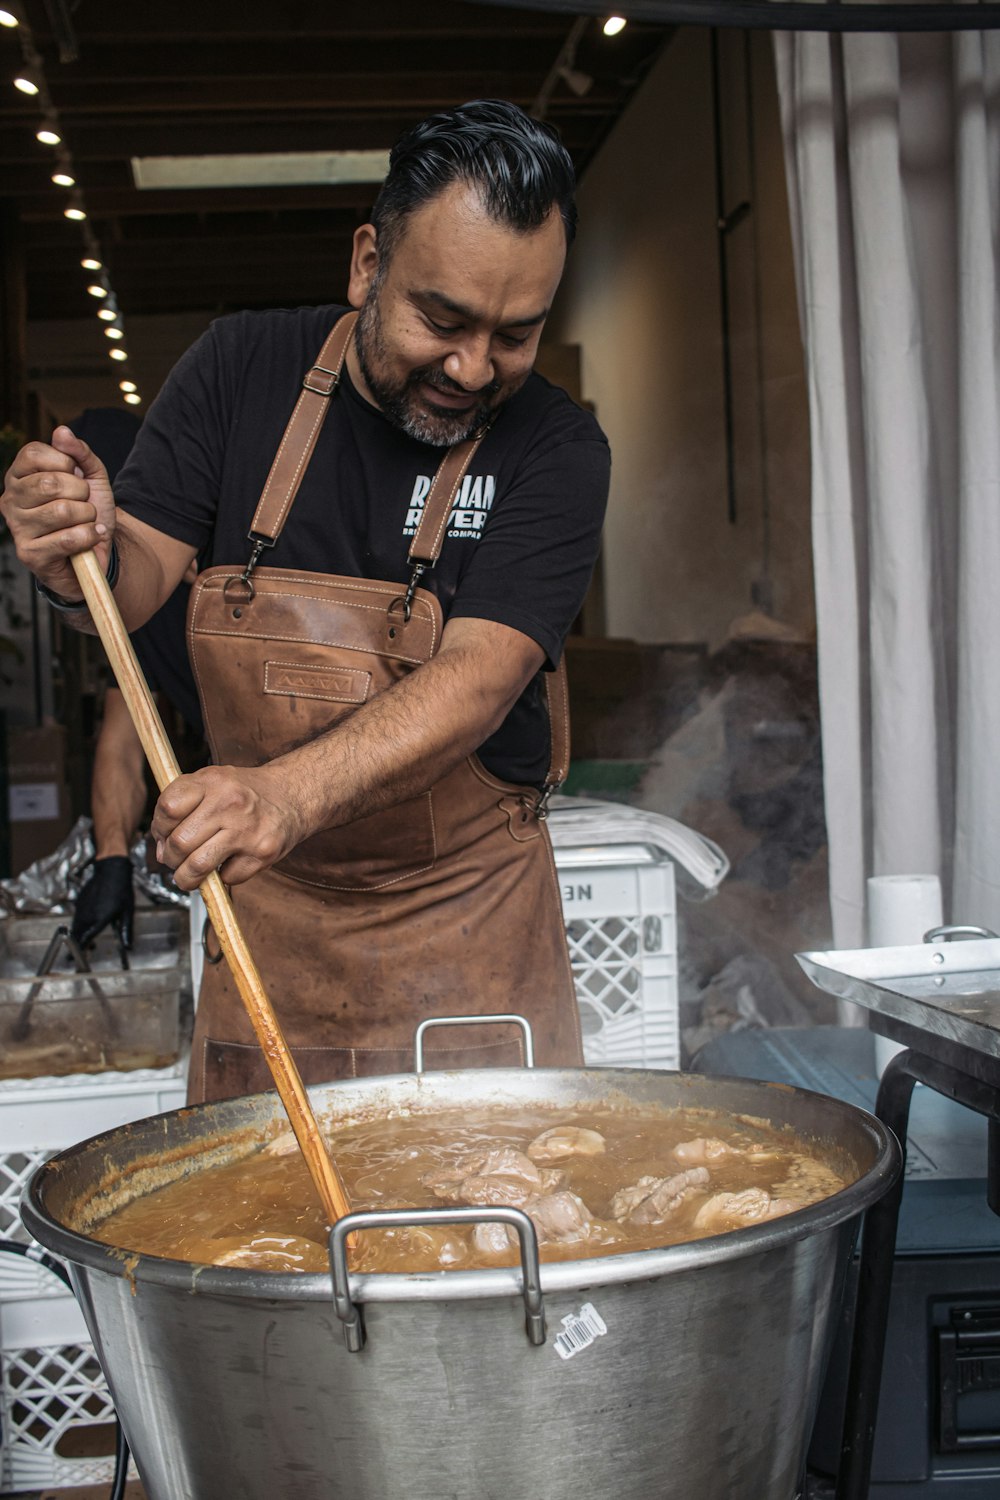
x=417, y=92
x=180, y=59
x=104, y=203
x=236, y=132
x=239, y=19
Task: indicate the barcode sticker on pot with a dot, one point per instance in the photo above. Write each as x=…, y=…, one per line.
x=579, y=1331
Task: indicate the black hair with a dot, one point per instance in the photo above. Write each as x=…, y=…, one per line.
x=519, y=166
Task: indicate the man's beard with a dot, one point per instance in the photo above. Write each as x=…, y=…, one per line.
x=402, y=402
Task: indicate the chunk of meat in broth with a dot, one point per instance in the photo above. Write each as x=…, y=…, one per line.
x=502, y=1176
x=282, y=1144
x=493, y=1239
x=420, y=1244
x=267, y=1252
x=566, y=1140
x=701, y=1152
x=559, y=1218
x=734, y=1210
x=707, y=1150
x=651, y=1200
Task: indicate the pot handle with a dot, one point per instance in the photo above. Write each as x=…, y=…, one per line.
x=349, y=1312
x=945, y=934
x=418, y=1038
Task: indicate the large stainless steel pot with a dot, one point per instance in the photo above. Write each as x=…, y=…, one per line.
x=238, y=1383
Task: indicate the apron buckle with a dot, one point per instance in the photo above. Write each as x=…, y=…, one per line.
x=542, y=805
x=259, y=545
x=406, y=600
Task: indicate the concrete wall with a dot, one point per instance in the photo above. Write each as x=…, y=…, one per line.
x=642, y=299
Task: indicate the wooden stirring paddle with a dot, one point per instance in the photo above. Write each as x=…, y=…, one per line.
x=163, y=763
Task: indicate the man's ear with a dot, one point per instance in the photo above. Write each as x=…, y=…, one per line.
x=364, y=263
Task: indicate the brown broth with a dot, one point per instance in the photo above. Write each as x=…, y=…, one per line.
x=263, y=1209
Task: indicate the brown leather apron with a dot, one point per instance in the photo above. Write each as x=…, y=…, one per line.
x=446, y=904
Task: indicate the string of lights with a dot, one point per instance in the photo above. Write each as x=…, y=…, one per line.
x=31, y=81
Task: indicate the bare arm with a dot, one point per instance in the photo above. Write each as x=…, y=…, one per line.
x=118, y=786
x=57, y=502
x=241, y=821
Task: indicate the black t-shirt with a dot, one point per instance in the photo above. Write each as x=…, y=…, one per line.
x=161, y=646
x=521, y=541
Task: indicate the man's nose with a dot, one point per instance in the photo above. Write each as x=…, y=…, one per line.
x=469, y=364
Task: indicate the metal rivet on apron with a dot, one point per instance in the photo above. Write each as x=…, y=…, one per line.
x=392, y=632
x=237, y=613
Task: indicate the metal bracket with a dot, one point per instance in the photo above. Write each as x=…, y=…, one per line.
x=945, y=934
x=418, y=1039
x=349, y=1311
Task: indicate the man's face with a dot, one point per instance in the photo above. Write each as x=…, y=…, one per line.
x=449, y=328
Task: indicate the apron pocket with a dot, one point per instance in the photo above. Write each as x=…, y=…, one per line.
x=381, y=850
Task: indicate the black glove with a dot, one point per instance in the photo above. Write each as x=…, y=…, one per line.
x=106, y=900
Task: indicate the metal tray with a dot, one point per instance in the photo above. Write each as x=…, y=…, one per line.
x=108, y=1018
x=949, y=990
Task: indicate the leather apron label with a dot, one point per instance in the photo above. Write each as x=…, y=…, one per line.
x=330, y=684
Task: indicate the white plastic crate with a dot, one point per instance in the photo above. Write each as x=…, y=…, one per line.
x=619, y=905
x=52, y=1397
x=40, y=1116
x=51, y=1384
x=617, y=877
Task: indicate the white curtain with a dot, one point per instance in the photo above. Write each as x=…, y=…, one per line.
x=892, y=150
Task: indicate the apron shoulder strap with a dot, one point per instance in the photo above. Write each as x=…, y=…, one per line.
x=425, y=549
x=290, y=462
x=299, y=440
x=296, y=447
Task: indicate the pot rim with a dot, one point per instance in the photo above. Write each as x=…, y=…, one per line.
x=841, y=1208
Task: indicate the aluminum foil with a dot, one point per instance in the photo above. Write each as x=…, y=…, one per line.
x=52, y=884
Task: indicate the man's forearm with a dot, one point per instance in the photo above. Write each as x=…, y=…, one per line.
x=118, y=784
x=241, y=820
x=149, y=568
x=405, y=739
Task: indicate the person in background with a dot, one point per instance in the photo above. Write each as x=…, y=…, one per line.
x=119, y=787
x=120, y=780
x=401, y=521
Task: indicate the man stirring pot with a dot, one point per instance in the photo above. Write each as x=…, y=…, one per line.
x=373, y=687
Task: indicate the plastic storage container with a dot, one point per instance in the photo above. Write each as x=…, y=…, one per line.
x=618, y=869
x=108, y=1019
x=619, y=904
x=56, y=1412
x=53, y=1397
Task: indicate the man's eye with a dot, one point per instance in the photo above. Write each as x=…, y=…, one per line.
x=511, y=341
x=444, y=328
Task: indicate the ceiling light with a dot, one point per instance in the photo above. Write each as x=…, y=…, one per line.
x=264, y=169
x=90, y=264
x=113, y=333
x=74, y=213
x=63, y=179
x=118, y=354
x=26, y=83
x=126, y=385
x=97, y=291
x=132, y=398
x=48, y=137
x=107, y=314
x=7, y=18
x=613, y=25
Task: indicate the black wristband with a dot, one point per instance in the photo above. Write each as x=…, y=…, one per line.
x=73, y=606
